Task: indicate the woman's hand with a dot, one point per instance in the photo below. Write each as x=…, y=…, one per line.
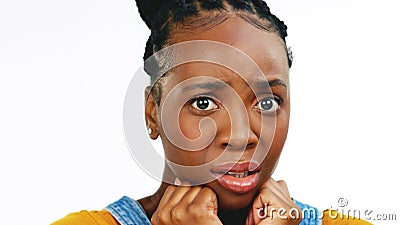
x=187, y=205
x=273, y=205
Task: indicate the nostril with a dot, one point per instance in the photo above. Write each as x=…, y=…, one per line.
x=250, y=145
x=237, y=146
x=225, y=145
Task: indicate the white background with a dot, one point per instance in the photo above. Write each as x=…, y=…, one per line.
x=65, y=67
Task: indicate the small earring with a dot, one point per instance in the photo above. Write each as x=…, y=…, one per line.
x=149, y=130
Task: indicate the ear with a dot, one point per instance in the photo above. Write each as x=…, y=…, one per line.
x=151, y=113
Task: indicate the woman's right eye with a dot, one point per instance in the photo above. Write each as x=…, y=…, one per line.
x=204, y=104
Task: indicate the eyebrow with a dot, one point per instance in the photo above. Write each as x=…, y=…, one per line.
x=264, y=84
x=218, y=85
x=205, y=85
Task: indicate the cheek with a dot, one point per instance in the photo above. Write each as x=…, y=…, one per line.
x=187, y=165
x=189, y=125
x=189, y=128
x=271, y=160
x=278, y=138
x=282, y=125
x=272, y=129
x=183, y=157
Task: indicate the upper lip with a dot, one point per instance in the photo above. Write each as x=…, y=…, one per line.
x=236, y=167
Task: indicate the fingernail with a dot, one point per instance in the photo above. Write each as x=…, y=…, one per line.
x=177, y=182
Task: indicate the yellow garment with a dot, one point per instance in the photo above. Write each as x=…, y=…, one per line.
x=88, y=218
x=105, y=218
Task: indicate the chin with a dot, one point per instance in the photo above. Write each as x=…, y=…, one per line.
x=229, y=201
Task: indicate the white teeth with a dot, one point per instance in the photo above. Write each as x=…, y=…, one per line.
x=238, y=175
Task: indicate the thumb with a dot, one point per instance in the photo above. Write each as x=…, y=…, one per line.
x=207, y=198
x=250, y=218
x=259, y=210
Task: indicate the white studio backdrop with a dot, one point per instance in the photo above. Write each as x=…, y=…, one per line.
x=65, y=67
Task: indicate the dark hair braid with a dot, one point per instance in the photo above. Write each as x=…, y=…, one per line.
x=264, y=12
x=160, y=14
x=211, y=5
x=241, y=5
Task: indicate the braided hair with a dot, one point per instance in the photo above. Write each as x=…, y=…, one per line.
x=160, y=15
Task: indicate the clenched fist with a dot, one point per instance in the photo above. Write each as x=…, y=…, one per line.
x=187, y=205
x=273, y=206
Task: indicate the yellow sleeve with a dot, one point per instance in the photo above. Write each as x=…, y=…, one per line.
x=332, y=217
x=88, y=218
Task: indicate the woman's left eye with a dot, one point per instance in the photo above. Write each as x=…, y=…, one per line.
x=204, y=104
x=268, y=104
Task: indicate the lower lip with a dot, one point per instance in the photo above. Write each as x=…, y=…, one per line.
x=238, y=185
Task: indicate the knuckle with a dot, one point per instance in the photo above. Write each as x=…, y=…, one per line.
x=282, y=182
x=207, y=191
x=177, y=213
x=170, y=188
x=154, y=219
x=163, y=216
x=265, y=190
x=194, y=208
x=268, y=183
x=197, y=187
x=198, y=211
x=283, y=185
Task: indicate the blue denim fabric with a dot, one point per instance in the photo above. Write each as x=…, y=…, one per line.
x=129, y=212
x=311, y=215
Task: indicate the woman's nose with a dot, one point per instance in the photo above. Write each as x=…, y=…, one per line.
x=236, y=133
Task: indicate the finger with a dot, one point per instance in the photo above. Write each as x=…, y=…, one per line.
x=176, y=196
x=259, y=209
x=160, y=216
x=279, y=188
x=167, y=194
x=190, y=195
x=206, y=200
x=250, y=218
x=268, y=201
x=270, y=211
x=171, y=197
x=271, y=195
x=182, y=209
x=184, y=183
x=284, y=187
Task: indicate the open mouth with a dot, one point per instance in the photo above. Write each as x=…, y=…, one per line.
x=237, y=177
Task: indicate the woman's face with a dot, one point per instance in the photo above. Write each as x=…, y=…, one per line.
x=244, y=119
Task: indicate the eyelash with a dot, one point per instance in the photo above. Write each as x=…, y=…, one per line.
x=277, y=99
x=195, y=99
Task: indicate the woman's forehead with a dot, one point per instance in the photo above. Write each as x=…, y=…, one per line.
x=230, y=69
x=261, y=46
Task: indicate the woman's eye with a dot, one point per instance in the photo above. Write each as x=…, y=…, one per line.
x=270, y=104
x=204, y=104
